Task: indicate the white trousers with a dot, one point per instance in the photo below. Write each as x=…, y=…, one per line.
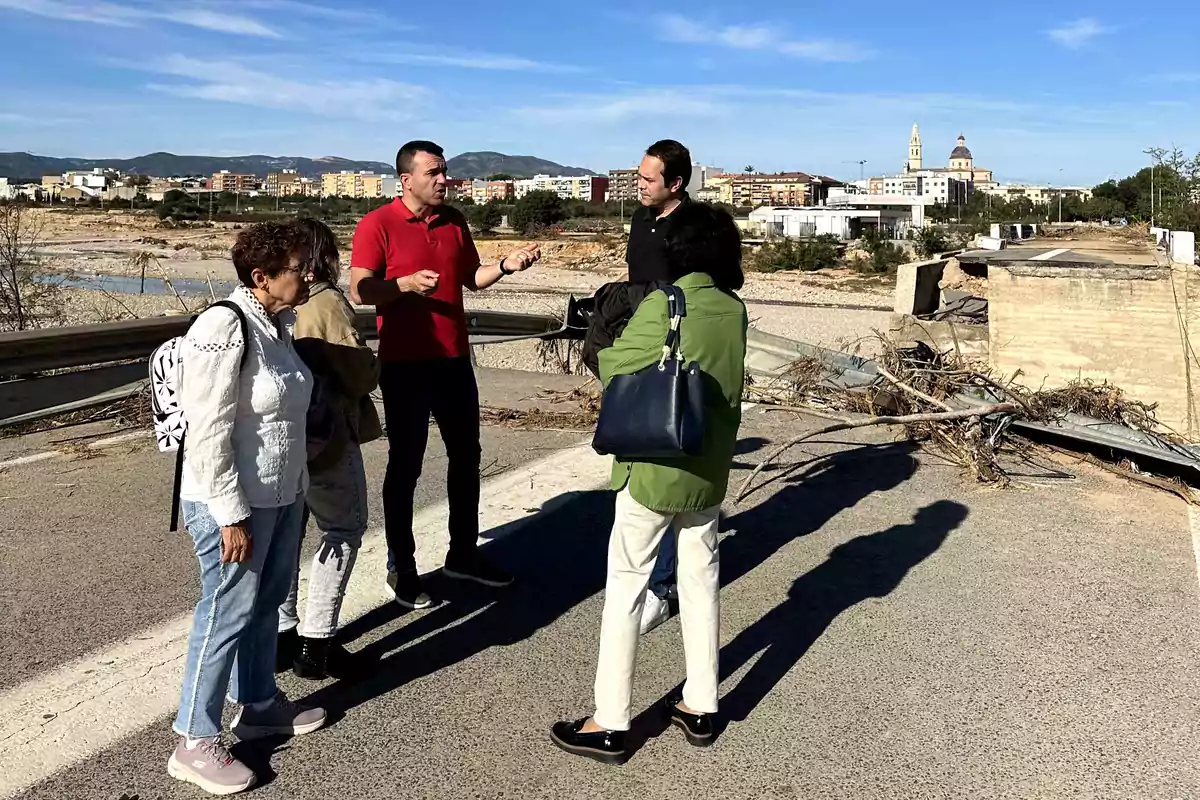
x=632, y=550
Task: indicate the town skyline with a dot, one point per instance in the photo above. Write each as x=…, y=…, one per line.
x=592, y=89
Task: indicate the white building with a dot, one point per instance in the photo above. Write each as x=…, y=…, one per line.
x=938, y=185
x=93, y=182
x=7, y=192
x=1037, y=194
x=701, y=174
x=584, y=187
x=844, y=223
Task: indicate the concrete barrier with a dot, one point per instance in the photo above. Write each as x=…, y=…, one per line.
x=917, y=289
x=1183, y=247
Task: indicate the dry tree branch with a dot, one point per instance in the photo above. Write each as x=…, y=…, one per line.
x=948, y=416
x=914, y=392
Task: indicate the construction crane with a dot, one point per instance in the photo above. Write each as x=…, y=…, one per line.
x=860, y=163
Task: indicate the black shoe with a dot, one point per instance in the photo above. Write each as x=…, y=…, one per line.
x=476, y=568
x=322, y=658
x=698, y=728
x=287, y=647
x=604, y=746
x=406, y=589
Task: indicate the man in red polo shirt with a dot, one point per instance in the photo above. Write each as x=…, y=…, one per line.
x=411, y=260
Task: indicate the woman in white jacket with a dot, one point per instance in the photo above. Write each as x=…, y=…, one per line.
x=244, y=478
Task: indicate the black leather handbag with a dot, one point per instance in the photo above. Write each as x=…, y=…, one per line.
x=657, y=413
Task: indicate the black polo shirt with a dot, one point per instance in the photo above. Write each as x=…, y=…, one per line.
x=646, y=253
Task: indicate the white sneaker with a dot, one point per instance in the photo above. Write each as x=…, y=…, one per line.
x=655, y=612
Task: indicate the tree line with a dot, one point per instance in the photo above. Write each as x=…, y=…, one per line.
x=1167, y=193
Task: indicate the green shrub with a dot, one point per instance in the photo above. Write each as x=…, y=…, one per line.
x=931, y=241
x=537, y=211
x=885, y=255
x=805, y=255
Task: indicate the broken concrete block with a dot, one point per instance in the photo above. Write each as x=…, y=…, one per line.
x=1183, y=247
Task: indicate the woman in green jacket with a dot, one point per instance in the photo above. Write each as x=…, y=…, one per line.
x=704, y=251
x=348, y=370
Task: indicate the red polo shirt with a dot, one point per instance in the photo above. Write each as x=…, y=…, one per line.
x=393, y=242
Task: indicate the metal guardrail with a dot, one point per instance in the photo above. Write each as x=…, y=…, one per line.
x=30, y=352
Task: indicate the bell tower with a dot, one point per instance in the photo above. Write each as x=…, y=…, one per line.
x=914, y=150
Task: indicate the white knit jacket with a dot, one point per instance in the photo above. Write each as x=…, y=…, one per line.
x=245, y=446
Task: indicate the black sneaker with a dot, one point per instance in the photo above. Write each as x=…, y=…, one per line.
x=287, y=647
x=476, y=568
x=406, y=588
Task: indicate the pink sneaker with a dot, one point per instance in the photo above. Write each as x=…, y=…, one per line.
x=210, y=766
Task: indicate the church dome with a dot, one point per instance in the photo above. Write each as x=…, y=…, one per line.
x=961, y=151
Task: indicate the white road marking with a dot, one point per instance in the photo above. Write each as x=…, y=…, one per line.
x=61, y=718
x=1049, y=254
x=99, y=444
x=1194, y=524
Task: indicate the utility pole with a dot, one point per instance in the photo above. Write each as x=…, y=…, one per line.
x=860, y=163
x=1060, y=195
x=1154, y=155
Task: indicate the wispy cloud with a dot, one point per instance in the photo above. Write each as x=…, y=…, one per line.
x=113, y=14
x=340, y=14
x=617, y=108
x=678, y=28
x=1075, y=35
x=231, y=82
x=481, y=61
x=1175, y=77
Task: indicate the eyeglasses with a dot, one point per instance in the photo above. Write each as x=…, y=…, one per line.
x=306, y=272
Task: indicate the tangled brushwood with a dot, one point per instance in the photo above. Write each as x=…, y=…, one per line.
x=564, y=356
x=582, y=409
x=958, y=409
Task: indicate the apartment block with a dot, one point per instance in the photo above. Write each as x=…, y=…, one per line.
x=623, y=185
x=590, y=188
x=289, y=183
x=458, y=188
x=779, y=189
x=485, y=191
x=1036, y=194
x=718, y=189
x=352, y=184
x=226, y=181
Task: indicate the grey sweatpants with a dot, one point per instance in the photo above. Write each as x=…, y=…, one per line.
x=337, y=501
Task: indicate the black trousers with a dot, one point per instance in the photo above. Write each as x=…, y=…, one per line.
x=412, y=391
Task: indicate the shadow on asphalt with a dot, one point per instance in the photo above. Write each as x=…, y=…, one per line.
x=559, y=560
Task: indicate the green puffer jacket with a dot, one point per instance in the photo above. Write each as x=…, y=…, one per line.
x=713, y=334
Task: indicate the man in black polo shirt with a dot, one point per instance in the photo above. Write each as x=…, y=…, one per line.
x=662, y=185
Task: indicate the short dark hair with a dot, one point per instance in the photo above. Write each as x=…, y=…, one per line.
x=677, y=161
x=267, y=246
x=323, y=248
x=703, y=238
x=404, y=156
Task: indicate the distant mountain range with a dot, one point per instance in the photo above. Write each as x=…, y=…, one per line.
x=467, y=165
x=485, y=163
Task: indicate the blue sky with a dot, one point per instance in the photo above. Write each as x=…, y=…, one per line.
x=1049, y=92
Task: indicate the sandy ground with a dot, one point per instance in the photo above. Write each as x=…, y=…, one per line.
x=99, y=249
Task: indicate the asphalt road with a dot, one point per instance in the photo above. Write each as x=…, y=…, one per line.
x=888, y=631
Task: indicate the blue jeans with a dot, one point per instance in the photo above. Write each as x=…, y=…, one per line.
x=662, y=577
x=234, y=629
